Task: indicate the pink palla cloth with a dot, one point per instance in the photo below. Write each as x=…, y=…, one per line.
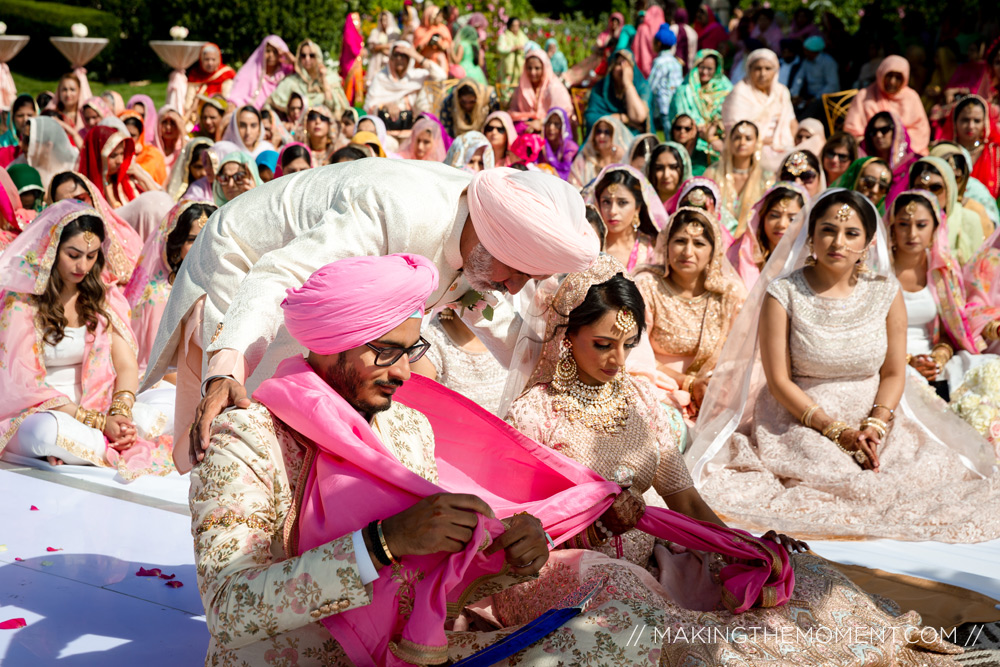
x=520, y=218
x=252, y=85
x=906, y=104
x=528, y=104
x=14, y=218
x=355, y=479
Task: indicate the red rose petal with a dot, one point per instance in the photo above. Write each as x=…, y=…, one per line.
x=34, y=509
x=52, y=549
x=174, y=584
x=167, y=576
x=20, y=560
x=13, y=624
x=143, y=572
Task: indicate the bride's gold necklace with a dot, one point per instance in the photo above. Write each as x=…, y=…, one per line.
x=605, y=407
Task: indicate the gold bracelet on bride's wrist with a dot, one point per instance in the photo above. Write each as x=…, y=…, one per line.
x=991, y=332
x=807, y=416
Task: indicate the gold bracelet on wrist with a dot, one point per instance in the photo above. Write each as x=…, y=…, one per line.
x=687, y=382
x=385, y=545
x=891, y=411
x=807, y=416
x=120, y=407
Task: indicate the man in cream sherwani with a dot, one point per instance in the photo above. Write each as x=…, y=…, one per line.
x=492, y=231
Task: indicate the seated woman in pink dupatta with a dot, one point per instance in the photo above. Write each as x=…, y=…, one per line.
x=773, y=217
x=538, y=90
x=170, y=136
x=692, y=298
x=14, y=218
x=424, y=142
x=261, y=73
x=632, y=214
x=579, y=401
x=763, y=100
x=70, y=373
x=890, y=93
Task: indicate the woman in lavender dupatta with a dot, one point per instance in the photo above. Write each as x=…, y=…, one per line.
x=560, y=149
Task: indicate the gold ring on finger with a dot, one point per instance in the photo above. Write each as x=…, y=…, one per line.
x=860, y=457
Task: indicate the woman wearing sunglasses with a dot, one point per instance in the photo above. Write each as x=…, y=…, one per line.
x=886, y=137
x=499, y=129
x=802, y=167
x=319, y=132
x=871, y=177
x=966, y=230
x=237, y=174
x=839, y=151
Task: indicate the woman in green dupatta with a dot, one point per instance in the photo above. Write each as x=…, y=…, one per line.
x=871, y=176
x=703, y=91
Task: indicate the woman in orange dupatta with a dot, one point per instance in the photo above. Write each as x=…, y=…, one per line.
x=147, y=156
x=538, y=90
x=424, y=37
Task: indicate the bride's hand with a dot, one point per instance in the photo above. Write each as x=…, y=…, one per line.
x=854, y=440
x=790, y=544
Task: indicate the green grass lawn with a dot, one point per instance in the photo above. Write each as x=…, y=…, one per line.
x=155, y=89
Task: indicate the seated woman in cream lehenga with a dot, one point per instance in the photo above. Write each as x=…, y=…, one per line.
x=837, y=443
x=580, y=402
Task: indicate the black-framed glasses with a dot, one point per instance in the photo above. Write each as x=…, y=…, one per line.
x=387, y=356
x=603, y=131
x=315, y=115
x=236, y=178
x=495, y=128
x=808, y=177
x=683, y=128
x=935, y=188
x=884, y=129
x=840, y=157
x=873, y=184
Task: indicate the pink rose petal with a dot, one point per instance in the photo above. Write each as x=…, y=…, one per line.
x=174, y=584
x=34, y=509
x=52, y=549
x=13, y=624
x=143, y=572
x=20, y=560
x=167, y=576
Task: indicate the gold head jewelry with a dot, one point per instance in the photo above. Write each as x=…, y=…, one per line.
x=925, y=177
x=695, y=228
x=844, y=212
x=911, y=208
x=797, y=163
x=783, y=204
x=697, y=198
x=198, y=224
x=88, y=238
x=624, y=322
x=613, y=189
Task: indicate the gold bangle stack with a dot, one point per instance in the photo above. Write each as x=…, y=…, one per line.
x=942, y=354
x=807, y=416
x=880, y=426
x=91, y=418
x=120, y=405
x=991, y=332
x=686, y=384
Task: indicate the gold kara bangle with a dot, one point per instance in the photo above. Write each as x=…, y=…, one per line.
x=806, y=418
x=385, y=546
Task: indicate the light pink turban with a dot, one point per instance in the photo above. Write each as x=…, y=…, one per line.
x=356, y=300
x=533, y=222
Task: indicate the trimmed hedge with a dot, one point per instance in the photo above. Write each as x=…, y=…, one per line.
x=42, y=20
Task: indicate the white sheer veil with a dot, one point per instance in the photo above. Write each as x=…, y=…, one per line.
x=739, y=376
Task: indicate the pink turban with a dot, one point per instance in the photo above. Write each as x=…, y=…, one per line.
x=533, y=222
x=352, y=301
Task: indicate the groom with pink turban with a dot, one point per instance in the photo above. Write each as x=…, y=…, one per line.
x=268, y=571
x=492, y=232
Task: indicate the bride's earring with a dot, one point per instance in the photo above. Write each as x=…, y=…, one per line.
x=566, y=370
x=811, y=259
x=635, y=222
x=863, y=263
